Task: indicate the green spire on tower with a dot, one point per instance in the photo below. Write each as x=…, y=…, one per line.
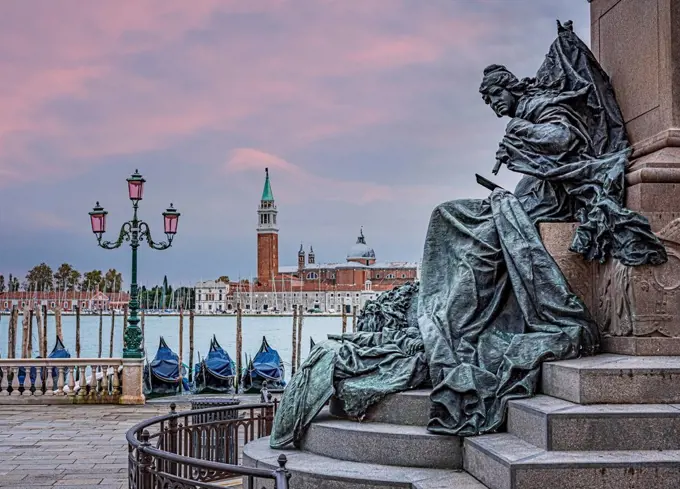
x=267, y=194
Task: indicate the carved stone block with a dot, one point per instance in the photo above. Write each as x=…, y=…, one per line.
x=641, y=302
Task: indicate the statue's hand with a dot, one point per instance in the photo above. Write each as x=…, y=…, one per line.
x=414, y=346
x=502, y=157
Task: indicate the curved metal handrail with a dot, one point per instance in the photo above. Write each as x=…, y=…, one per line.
x=139, y=427
x=147, y=462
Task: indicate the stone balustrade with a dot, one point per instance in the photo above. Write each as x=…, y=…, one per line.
x=67, y=381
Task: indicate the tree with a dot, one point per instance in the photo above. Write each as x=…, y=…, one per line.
x=2, y=283
x=40, y=278
x=224, y=279
x=13, y=284
x=73, y=282
x=93, y=280
x=66, y=277
x=113, y=281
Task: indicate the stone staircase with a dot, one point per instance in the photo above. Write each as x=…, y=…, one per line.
x=606, y=422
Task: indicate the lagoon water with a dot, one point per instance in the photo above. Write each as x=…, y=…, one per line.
x=278, y=331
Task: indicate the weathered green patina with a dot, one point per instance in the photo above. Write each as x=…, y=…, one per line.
x=493, y=304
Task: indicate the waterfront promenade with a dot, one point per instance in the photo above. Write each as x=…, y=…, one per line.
x=70, y=445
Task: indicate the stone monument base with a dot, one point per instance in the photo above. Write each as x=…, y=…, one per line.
x=602, y=422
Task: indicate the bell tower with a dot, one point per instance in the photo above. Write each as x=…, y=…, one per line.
x=267, y=235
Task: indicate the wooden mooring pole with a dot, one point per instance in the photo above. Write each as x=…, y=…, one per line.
x=354, y=319
x=181, y=346
x=191, y=345
x=24, y=332
x=12, y=333
x=125, y=321
x=298, y=350
x=44, y=328
x=30, y=333
x=57, y=322
x=113, y=329
x=101, y=331
x=293, y=360
x=77, y=331
x=41, y=338
x=143, y=331
x=239, y=340
x=344, y=319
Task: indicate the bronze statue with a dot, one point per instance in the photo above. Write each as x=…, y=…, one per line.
x=492, y=304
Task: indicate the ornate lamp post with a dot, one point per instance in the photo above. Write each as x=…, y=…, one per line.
x=134, y=231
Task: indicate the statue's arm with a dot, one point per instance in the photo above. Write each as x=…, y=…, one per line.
x=547, y=138
x=537, y=147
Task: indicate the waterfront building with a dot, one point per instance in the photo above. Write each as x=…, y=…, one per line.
x=211, y=296
x=64, y=300
x=322, y=287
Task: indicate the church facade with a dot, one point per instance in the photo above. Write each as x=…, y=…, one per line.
x=318, y=287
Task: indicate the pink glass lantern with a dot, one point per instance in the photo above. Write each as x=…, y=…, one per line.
x=170, y=218
x=136, y=186
x=98, y=219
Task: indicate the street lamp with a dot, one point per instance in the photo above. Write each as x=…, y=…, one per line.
x=134, y=231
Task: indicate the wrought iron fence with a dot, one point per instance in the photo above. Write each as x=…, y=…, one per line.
x=197, y=448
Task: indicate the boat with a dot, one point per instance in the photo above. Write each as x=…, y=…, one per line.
x=165, y=375
x=216, y=372
x=58, y=352
x=266, y=366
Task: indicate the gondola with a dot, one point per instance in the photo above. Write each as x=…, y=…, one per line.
x=162, y=375
x=267, y=365
x=58, y=352
x=216, y=372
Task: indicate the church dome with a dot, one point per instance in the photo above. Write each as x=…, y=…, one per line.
x=360, y=250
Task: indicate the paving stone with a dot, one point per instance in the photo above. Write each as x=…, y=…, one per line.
x=61, y=446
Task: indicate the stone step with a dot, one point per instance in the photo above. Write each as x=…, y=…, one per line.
x=503, y=461
x=557, y=425
x=382, y=443
x=614, y=379
x=311, y=471
x=406, y=408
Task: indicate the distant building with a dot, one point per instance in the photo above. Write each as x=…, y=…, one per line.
x=316, y=286
x=211, y=296
x=65, y=300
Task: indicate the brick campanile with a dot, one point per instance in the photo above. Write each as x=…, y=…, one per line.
x=267, y=235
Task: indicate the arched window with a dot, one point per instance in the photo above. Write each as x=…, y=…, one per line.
x=389, y=276
x=403, y=275
x=312, y=276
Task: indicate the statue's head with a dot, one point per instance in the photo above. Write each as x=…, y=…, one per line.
x=501, y=90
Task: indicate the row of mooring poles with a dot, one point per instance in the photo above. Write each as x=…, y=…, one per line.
x=40, y=314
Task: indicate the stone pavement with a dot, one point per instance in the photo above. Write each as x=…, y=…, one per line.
x=69, y=445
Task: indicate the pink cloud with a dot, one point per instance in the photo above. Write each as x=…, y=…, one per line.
x=70, y=51
x=295, y=184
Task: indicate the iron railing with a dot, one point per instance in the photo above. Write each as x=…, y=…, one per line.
x=192, y=449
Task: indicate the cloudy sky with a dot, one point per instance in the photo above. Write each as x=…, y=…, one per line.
x=365, y=111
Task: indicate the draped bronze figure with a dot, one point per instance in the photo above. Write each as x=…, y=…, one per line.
x=492, y=304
